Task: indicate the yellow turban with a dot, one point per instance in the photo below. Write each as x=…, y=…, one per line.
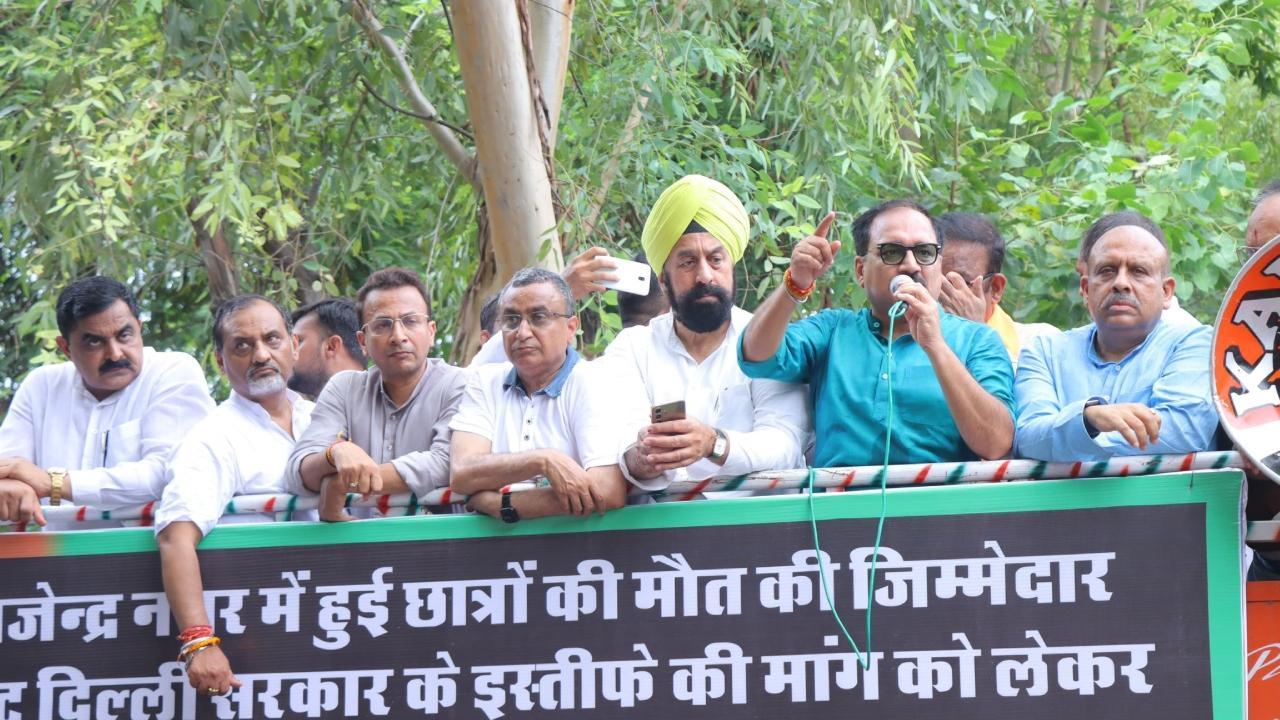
x=700, y=199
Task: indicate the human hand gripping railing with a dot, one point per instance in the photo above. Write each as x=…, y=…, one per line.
x=828, y=479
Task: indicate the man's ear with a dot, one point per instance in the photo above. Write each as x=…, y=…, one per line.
x=858, y=269
x=1084, y=285
x=332, y=345
x=573, y=324
x=63, y=346
x=1167, y=285
x=217, y=357
x=360, y=339
x=998, y=283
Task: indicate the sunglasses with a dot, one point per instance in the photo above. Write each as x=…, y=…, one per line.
x=894, y=253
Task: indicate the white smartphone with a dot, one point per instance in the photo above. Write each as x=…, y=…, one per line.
x=633, y=277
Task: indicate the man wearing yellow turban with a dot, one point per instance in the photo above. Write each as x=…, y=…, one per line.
x=694, y=235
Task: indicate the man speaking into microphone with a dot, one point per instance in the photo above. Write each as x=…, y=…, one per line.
x=951, y=380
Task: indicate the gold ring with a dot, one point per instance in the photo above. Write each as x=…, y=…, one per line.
x=352, y=486
x=213, y=691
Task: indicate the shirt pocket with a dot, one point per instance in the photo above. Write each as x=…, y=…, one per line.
x=123, y=443
x=735, y=409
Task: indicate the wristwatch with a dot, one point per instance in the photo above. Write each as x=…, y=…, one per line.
x=57, y=475
x=509, y=514
x=1091, y=402
x=719, y=450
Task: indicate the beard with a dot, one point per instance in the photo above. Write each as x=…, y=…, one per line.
x=261, y=387
x=306, y=383
x=697, y=314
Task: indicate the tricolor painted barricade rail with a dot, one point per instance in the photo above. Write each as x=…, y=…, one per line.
x=827, y=479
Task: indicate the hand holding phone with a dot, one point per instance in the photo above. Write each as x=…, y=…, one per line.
x=667, y=412
x=633, y=277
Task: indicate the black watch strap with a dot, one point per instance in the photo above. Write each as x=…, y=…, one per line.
x=1088, y=427
x=509, y=514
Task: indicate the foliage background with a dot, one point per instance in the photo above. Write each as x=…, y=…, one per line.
x=135, y=135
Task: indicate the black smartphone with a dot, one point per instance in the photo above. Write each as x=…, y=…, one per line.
x=667, y=411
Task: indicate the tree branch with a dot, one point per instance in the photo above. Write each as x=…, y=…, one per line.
x=461, y=158
x=369, y=86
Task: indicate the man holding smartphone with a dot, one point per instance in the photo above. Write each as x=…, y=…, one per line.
x=728, y=424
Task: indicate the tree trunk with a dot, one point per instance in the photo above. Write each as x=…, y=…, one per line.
x=218, y=260
x=552, y=28
x=509, y=147
x=466, y=339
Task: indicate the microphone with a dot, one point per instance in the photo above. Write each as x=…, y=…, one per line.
x=899, y=308
x=897, y=282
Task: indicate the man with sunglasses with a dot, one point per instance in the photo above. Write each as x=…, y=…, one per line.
x=951, y=381
x=547, y=416
x=973, y=284
x=385, y=429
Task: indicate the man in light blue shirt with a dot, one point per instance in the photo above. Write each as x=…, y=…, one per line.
x=951, y=380
x=1130, y=383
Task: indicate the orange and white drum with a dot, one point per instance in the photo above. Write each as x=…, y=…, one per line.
x=1246, y=360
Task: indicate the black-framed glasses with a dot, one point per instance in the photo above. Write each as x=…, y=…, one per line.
x=382, y=326
x=538, y=319
x=895, y=253
x=968, y=281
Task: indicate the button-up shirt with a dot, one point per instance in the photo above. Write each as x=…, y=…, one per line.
x=767, y=422
x=843, y=355
x=237, y=450
x=577, y=413
x=115, y=448
x=1168, y=372
x=414, y=437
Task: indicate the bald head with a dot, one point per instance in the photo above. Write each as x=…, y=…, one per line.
x=1264, y=221
x=1128, y=224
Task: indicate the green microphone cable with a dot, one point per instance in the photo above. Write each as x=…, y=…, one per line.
x=864, y=659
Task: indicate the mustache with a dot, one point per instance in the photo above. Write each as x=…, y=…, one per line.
x=270, y=364
x=1120, y=297
x=698, y=292
x=121, y=364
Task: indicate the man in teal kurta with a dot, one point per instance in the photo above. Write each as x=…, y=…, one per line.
x=952, y=379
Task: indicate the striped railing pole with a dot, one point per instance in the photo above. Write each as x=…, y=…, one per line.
x=831, y=479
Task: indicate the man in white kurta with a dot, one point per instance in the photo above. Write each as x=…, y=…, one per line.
x=693, y=237
x=101, y=426
x=241, y=448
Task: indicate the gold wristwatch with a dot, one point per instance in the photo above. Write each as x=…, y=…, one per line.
x=56, y=477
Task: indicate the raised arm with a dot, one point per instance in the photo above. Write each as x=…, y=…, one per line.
x=811, y=258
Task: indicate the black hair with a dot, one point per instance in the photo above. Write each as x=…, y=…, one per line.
x=388, y=279
x=90, y=296
x=338, y=317
x=489, y=314
x=536, y=276
x=975, y=230
x=1111, y=221
x=640, y=309
x=862, y=225
x=231, y=306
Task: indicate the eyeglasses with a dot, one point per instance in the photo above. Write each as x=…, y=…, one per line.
x=1247, y=252
x=969, y=281
x=538, y=319
x=894, y=253
x=382, y=326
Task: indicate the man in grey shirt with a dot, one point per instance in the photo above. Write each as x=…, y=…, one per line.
x=386, y=429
